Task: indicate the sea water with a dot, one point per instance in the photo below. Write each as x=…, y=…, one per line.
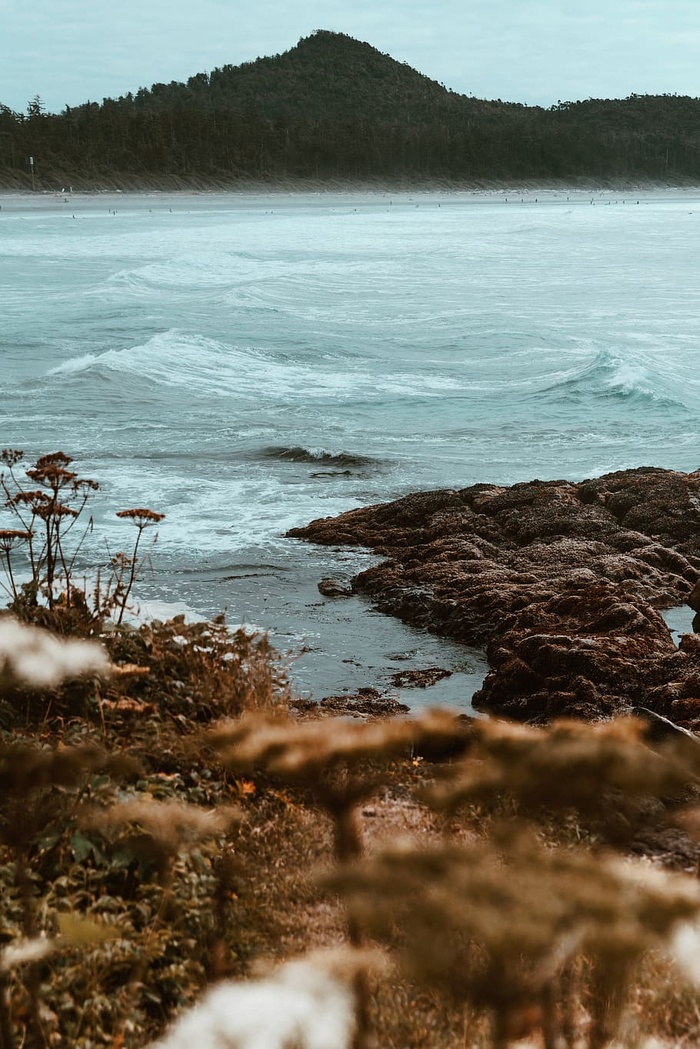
x=245, y=363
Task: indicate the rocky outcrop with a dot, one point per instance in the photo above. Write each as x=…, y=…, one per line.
x=365, y=703
x=419, y=678
x=334, y=587
x=561, y=582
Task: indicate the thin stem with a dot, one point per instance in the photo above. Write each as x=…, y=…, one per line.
x=32, y=979
x=7, y=1038
x=567, y=997
x=132, y=572
x=549, y=1016
x=10, y=576
x=499, y=1029
x=49, y=561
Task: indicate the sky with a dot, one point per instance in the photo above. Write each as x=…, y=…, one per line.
x=533, y=51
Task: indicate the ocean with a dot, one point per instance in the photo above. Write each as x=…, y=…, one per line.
x=245, y=363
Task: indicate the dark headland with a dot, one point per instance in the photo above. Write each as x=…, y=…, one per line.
x=561, y=582
x=335, y=110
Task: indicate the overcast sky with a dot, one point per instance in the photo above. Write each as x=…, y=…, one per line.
x=533, y=51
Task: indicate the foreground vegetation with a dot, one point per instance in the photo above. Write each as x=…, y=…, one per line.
x=168, y=821
x=335, y=108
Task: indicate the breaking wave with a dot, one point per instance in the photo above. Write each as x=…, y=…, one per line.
x=612, y=376
x=297, y=454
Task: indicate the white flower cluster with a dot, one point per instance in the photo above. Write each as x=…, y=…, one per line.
x=36, y=658
x=301, y=1005
x=25, y=951
x=685, y=951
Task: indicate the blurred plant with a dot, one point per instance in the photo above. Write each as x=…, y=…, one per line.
x=35, y=658
x=500, y=924
x=307, y=1004
x=158, y=831
x=339, y=762
x=607, y=774
x=40, y=790
x=341, y=765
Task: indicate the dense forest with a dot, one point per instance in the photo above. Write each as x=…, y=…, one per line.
x=333, y=108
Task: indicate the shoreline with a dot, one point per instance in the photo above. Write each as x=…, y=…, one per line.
x=479, y=187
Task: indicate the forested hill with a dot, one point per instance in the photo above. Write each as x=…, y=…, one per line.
x=327, y=75
x=335, y=108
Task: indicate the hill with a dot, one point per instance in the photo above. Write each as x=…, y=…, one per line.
x=325, y=75
x=335, y=108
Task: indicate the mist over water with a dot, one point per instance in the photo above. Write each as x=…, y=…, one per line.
x=248, y=363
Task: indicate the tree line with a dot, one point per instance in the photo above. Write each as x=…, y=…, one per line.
x=335, y=108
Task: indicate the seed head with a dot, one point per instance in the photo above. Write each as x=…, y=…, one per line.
x=12, y=537
x=52, y=475
x=141, y=516
x=11, y=456
x=173, y=822
x=294, y=750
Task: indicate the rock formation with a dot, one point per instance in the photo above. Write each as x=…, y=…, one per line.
x=561, y=582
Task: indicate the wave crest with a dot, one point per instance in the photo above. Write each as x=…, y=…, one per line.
x=630, y=378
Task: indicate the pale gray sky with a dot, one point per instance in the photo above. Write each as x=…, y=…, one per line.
x=534, y=51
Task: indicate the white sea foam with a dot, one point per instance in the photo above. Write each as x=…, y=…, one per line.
x=74, y=365
x=212, y=368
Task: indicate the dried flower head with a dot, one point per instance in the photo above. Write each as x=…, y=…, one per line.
x=59, y=459
x=293, y=750
x=54, y=510
x=11, y=456
x=52, y=475
x=173, y=822
x=29, y=498
x=10, y=538
x=141, y=516
x=568, y=764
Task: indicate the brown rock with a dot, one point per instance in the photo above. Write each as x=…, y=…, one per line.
x=334, y=588
x=561, y=581
x=419, y=678
x=366, y=701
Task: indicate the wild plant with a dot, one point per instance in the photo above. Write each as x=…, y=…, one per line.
x=501, y=925
x=41, y=791
x=606, y=774
x=307, y=1003
x=125, y=569
x=210, y=670
x=49, y=512
x=340, y=765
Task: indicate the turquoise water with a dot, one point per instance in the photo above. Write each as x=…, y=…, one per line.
x=247, y=363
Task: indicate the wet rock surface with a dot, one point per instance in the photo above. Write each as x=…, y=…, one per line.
x=334, y=587
x=366, y=702
x=561, y=582
x=419, y=678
